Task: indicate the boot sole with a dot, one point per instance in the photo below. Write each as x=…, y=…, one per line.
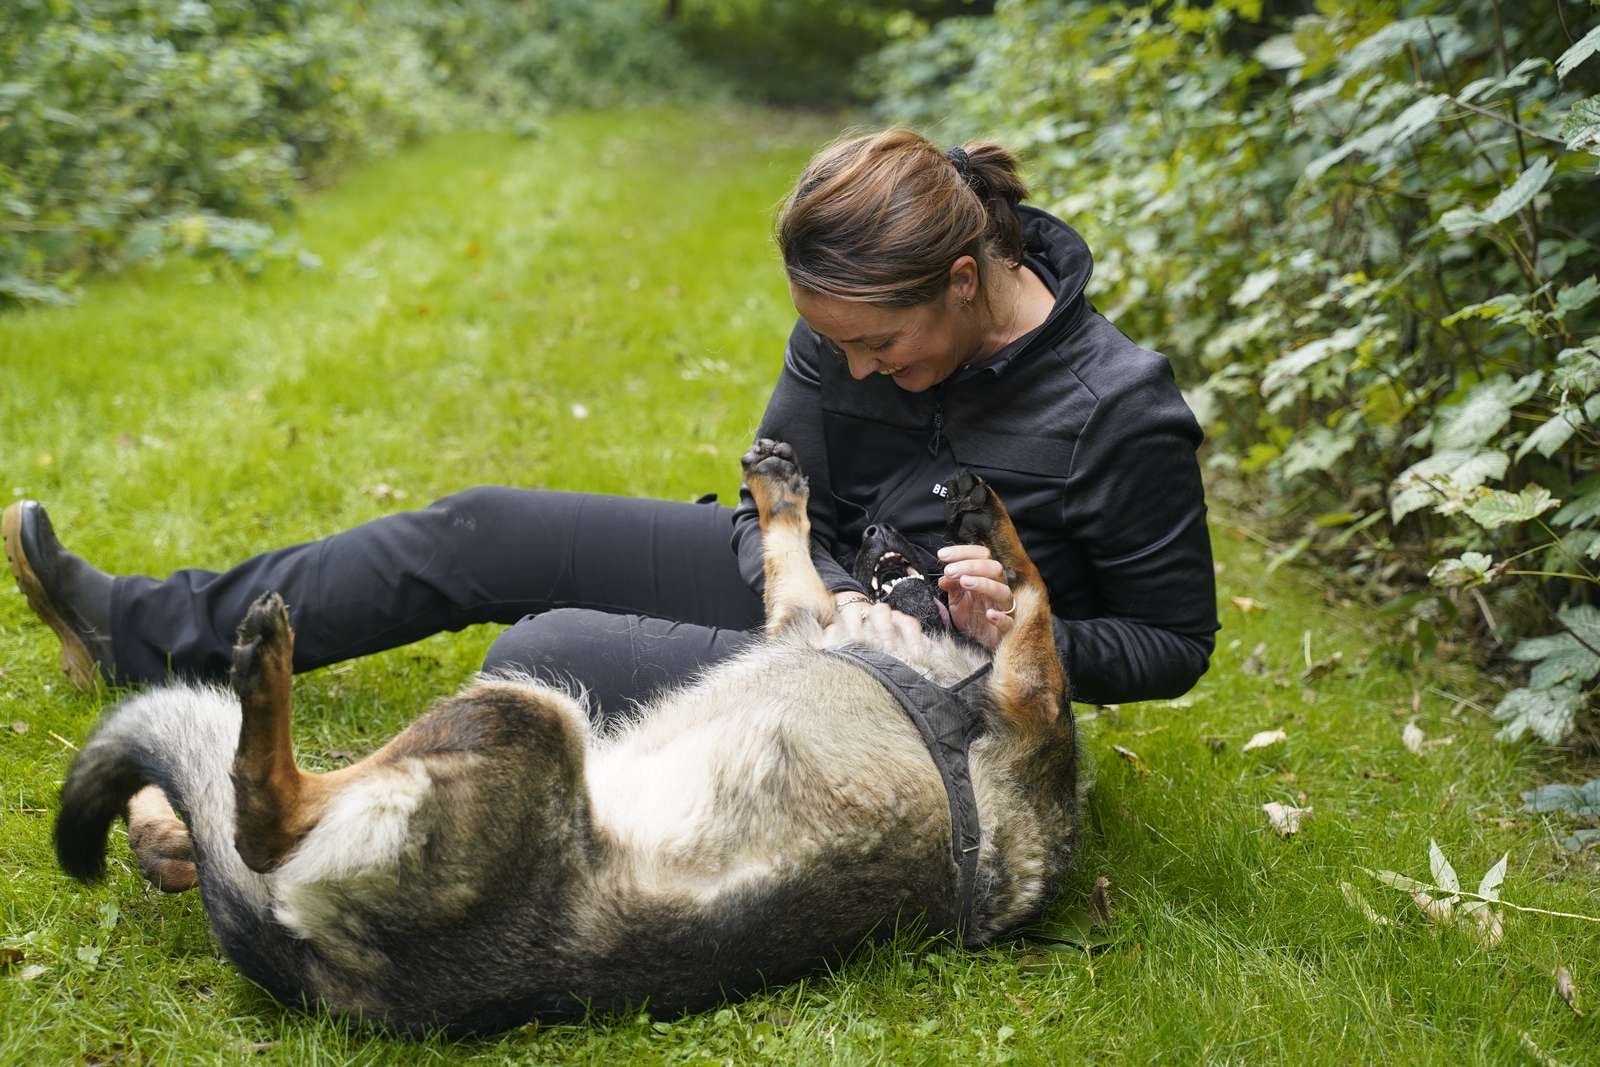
x=76, y=662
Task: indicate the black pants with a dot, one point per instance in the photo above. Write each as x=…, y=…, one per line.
x=621, y=595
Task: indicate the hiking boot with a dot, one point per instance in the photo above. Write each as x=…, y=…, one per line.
x=69, y=595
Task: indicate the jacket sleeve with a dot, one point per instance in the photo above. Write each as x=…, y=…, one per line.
x=1136, y=502
x=794, y=415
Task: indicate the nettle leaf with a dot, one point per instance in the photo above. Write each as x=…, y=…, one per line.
x=1287, y=370
x=1549, y=713
x=1574, y=297
x=1472, y=569
x=1494, y=508
x=1556, y=431
x=1578, y=369
x=1416, y=117
x=1581, y=800
x=1444, y=875
x=1254, y=285
x=1581, y=130
x=1484, y=412
x=1564, y=657
x=1587, y=46
x=1459, y=469
x=1279, y=53
x=1583, y=507
x=1510, y=200
x=1389, y=41
x=1493, y=308
x=1316, y=449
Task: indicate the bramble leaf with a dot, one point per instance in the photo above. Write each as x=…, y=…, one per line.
x=1495, y=507
x=1549, y=713
x=1559, y=796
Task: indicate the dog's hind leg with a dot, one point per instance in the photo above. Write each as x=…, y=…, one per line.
x=794, y=590
x=1028, y=681
x=160, y=842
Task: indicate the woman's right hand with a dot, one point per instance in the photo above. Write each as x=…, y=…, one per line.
x=856, y=620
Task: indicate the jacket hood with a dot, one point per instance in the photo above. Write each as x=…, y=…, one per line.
x=1061, y=258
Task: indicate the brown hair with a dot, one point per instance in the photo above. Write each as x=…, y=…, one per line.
x=879, y=218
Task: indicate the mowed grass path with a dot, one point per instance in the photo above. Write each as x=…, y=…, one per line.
x=601, y=309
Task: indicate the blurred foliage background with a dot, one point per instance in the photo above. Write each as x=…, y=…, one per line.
x=1365, y=232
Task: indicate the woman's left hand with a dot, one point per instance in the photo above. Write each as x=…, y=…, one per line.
x=980, y=600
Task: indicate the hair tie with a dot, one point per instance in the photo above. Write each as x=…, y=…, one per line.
x=963, y=165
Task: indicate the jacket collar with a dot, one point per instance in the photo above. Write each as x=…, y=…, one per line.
x=1054, y=251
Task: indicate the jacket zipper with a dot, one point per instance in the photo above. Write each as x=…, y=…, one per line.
x=937, y=440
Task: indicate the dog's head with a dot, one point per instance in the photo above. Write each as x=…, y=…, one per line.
x=904, y=575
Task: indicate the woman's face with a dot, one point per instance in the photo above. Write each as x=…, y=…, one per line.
x=918, y=347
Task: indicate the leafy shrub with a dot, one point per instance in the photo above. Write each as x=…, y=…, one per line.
x=126, y=125
x=1369, y=244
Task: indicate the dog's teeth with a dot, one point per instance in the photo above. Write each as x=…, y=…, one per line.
x=912, y=572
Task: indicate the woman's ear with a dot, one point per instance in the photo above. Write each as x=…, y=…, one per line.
x=964, y=280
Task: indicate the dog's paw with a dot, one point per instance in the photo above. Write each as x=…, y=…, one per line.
x=971, y=509
x=264, y=641
x=772, y=473
x=267, y=620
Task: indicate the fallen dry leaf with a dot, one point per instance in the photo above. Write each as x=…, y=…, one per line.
x=1412, y=737
x=1132, y=759
x=1358, y=900
x=1284, y=818
x=1438, y=910
x=1488, y=927
x=1265, y=739
x=1322, y=667
x=1100, y=902
x=1256, y=662
x=1248, y=604
x=19, y=727
x=1214, y=743
x=1380, y=776
x=10, y=957
x=1567, y=990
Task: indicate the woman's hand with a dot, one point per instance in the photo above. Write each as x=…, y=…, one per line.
x=980, y=600
x=856, y=620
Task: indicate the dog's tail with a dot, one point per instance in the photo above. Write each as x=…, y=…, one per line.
x=181, y=738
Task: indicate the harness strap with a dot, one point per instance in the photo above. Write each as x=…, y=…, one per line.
x=948, y=725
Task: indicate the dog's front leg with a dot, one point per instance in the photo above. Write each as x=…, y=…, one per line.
x=276, y=803
x=794, y=589
x=1028, y=681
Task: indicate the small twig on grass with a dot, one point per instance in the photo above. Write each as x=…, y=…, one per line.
x=62, y=740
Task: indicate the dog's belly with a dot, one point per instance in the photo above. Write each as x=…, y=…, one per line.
x=760, y=770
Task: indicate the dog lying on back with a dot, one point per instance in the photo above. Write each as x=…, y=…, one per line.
x=497, y=862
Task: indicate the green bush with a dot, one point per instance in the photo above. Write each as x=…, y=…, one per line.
x=130, y=126
x=1368, y=240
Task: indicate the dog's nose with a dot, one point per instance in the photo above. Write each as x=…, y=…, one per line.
x=870, y=533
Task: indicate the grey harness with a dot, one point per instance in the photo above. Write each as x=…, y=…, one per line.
x=949, y=721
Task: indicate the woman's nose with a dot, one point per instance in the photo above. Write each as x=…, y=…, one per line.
x=861, y=369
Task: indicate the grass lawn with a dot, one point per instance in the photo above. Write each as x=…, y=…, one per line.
x=602, y=309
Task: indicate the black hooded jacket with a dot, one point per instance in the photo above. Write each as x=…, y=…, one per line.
x=1082, y=433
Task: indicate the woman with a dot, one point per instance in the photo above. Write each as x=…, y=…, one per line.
x=941, y=325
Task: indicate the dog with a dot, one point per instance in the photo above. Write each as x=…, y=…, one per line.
x=498, y=862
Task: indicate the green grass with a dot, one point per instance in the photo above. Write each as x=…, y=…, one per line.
x=475, y=291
